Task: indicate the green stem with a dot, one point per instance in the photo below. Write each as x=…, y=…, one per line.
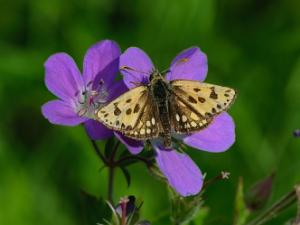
x=110, y=184
x=276, y=208
x=111, y=169
x=98, y=152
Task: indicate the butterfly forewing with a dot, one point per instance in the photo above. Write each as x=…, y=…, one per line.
x=132, y=114
x=195, y=104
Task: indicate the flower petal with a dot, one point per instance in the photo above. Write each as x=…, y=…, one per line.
x=101, y=61
x=59, y=112
x=217, y=137
x=62, y=76
x=138, y=64
x=116, y=89
x=96, y=130
x=190, y=64
x=135, y=147
x=180, y=170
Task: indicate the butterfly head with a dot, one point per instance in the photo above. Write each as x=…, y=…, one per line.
x=156, y=76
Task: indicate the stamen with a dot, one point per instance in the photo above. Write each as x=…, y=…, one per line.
x=82, y=112
x=89, y=83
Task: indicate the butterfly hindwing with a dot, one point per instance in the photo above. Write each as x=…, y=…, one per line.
x=195, y=104
x=148, y=125
x=131, y=114
x=184, y=118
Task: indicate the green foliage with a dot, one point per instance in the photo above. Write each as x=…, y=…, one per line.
x=94, y=210
x=185, y=210
x=241, y=212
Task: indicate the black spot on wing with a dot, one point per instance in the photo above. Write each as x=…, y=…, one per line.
x=128, y=111
x=117, y=111
x=192, y=100
x=202, y=100
x=136, y=108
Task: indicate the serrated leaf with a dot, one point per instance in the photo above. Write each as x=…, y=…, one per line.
x=108, y=147
x=184, y=209
x=241, y=213
x=94, y=210
x=126, y=175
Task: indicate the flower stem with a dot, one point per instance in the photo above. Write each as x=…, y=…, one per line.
x=98, y=152
x=111, y=169
x=276, y=208
x=110, y=184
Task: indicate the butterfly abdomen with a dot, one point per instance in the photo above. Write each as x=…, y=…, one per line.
x=161, y=95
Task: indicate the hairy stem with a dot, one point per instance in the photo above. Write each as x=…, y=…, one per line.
x=276, y=208
x=110, y=184
x=111, y=170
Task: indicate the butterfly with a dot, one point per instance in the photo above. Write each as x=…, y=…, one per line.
x=162, y=108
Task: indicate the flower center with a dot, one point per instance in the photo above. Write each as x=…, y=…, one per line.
x=90, y=99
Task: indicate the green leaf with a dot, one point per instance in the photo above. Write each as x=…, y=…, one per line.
x=126, y=175
x=184, y=209
x=241, y=213
x=94, y=210
x=155, y=171
x=128, y=162
x=201, y=216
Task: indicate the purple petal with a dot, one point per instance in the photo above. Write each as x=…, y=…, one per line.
x=135, y=147
x=190, y=64
x=96, y=130
x=138, y=64
x=101, y=61
x=180, y=170
x=116, y=89
x=62, y=76
x=217, y=137
x=59, y=112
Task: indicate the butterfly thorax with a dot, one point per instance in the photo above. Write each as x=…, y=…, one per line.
x=160, y=94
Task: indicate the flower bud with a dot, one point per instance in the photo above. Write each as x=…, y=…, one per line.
x=257, y=196
x=296, y=133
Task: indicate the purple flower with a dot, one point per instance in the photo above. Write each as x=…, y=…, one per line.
x=79, y=95
x=179, y=169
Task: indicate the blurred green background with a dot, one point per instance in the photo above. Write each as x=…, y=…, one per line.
x=252, y=45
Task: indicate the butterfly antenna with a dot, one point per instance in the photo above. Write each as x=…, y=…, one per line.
x=132, y=69
x=165, y=71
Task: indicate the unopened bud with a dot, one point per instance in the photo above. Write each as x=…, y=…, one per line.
x=257, y=196
x=296, y=133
